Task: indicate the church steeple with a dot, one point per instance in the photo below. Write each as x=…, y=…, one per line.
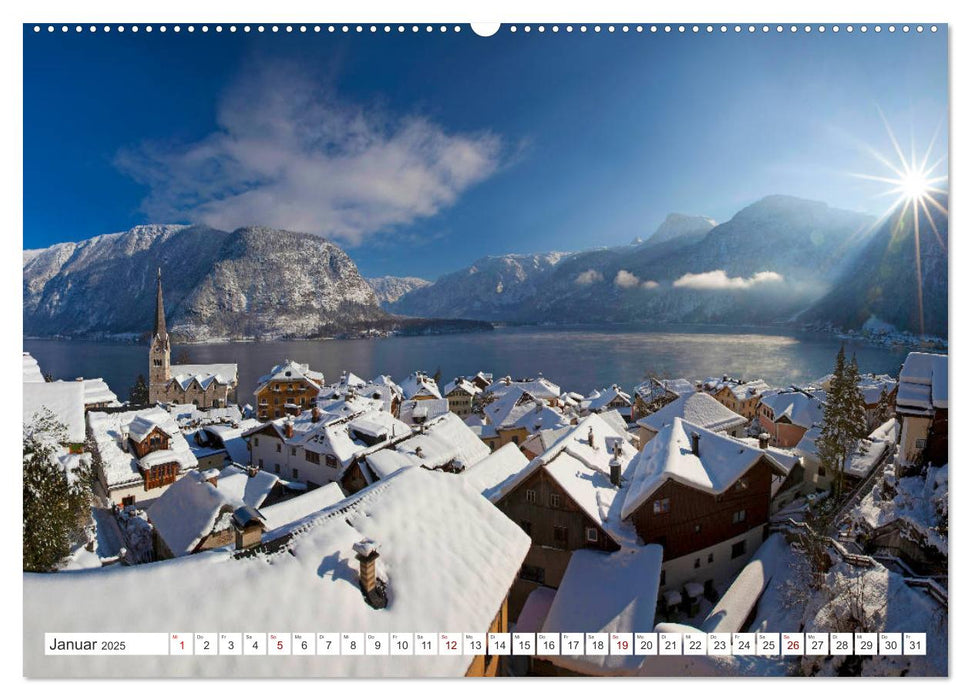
x=160, y=331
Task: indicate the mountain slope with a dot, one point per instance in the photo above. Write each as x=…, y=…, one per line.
x=389, y=289
x=881, y=282
x=252, y=282
x=804, y=245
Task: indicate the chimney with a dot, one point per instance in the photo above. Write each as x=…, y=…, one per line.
x=367, y=556
x=615, y=465
x=316, y=414
x=763, y=441
x=695, y=442
x=590, y=436
x=212, y=476
x=288, y=429
x=418, y=451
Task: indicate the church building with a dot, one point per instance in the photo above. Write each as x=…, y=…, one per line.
x=206, y=386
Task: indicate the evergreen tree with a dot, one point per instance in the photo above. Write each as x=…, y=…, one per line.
x=844, y=419
x=56, y=504
x=884, y=409
x=138, y=395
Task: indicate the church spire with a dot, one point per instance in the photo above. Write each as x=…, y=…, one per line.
x=160, y=331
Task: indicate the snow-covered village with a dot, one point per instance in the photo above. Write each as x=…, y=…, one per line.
x=530, y=351
x=489, y=503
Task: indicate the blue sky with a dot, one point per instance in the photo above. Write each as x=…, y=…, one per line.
x=420, y=153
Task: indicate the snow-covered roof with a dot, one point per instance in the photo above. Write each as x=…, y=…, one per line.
x=239, y=486
x=541, y=387
x=490, y=475
x=419, y=384
x=422, y=410
x=120, y=466
x=96, y=391
x=65, y=400
x=463, y=385
x=732, y=610
x=445, y=440
x=743, y=391
x=604, y=593
x=582, y=470
x=291, y=371
x=204, y=375
x=189, y=510
x=798, y=407
x=348, y=438
x=518, y=408
x=32, y=371
x=697, y=408
x=923, y=383
x=231, y=438
x=721, y=461
x=141, y=425
x=441, y=574
x=601, y=400
x=654, y=387
x=290, y=513
x=865, y=453
x=872, y=386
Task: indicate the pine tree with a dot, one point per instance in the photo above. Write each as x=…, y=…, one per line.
x=844, y=419
x=56, y=504
x=884, y=410
x=138, y=395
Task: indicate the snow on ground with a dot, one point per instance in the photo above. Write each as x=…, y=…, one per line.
x=917, y=500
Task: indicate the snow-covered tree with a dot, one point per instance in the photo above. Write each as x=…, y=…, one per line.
x=56, y=504
x=138, y=395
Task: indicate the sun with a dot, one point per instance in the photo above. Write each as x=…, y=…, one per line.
x=915, y=184
x=917, y=188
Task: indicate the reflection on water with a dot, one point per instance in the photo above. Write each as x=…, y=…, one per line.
x=578, y=358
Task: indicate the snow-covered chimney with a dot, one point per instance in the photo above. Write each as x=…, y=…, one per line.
x=367, y=556
x=590, y=436
x=695, y=443
x=418, y=451
x=763, y=441
x=316, y=414
x=288, y=429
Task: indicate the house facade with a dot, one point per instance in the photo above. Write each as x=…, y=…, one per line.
x=921, y=408
x=289, y=388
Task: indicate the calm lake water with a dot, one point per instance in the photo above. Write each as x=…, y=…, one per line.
x=577, y=358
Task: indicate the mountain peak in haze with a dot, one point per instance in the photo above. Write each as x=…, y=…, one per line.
x=681, y=225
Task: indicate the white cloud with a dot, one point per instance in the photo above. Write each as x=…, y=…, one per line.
x=288, y=154
x=589, y=277
x=717, y=279
x=628, y=280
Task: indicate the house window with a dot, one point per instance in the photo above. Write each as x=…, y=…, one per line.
x=741, y=485
x=296, y=473
x=293, y=451
x=711, y=557
x=276, y=468
x=330, y=459
x=537, y=574
x=555, y=500
x=530, y=496
x=261, y=463
x=738, y=549
x=279, y=447
x=738, y=516
x=312, y=457
x=592, y=534
x=662, y=505
x=256, y=442
x=526, y=526
x=920, y=443
x=559, y=535
x=663, y=577
x=698, y=563
x=821, y=471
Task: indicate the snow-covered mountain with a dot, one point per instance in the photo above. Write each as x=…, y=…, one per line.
x=769, y=261
x=880, y=283
x=252, y=282
x=492, y=288
x=389, y=289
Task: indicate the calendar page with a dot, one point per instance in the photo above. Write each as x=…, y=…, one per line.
x=436, y=349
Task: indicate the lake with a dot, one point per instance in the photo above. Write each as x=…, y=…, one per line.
x=579, y=358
